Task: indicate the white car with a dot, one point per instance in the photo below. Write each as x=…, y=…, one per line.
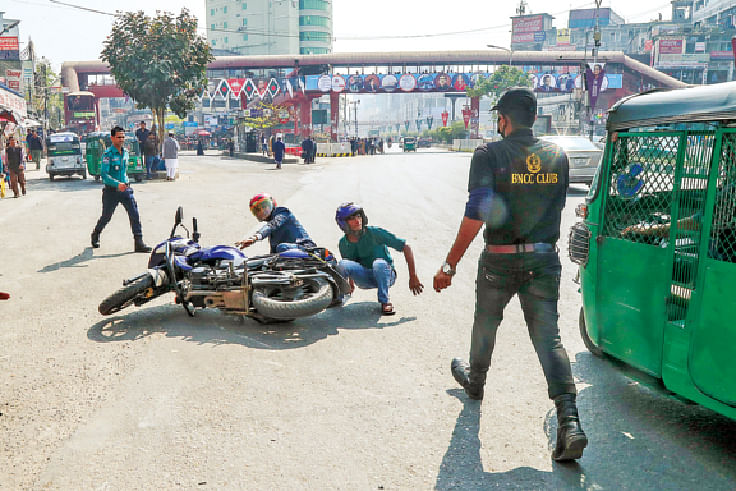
x=583, y=155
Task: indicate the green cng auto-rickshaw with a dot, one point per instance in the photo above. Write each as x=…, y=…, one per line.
x=410, y=144
x=98, y=142
x=657, y=246
x=95, y=147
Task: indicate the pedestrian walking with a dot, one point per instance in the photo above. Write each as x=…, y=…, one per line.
x=35, y=146
x=306, y=150
x=312, y=150
x=200, y=148
x=117, y=190
x=150, y=151
x=278, y=152
x=517, y=187
x=264, y=146
x=366, y=261
x=15, y=166
x=231, y=148
x=171, y=156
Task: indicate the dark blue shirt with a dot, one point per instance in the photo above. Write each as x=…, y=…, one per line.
x=282, y=227
x=278, y=150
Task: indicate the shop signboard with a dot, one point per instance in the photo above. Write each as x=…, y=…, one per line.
x=9, y=48
x=670, y=46
x=528, y=23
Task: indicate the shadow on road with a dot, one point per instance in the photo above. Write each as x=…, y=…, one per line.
x=213, y=327
x=639, y=437
x=76, y=261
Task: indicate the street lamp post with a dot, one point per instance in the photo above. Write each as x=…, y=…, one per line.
x=511, y=53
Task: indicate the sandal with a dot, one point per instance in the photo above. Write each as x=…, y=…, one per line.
x=387, y=309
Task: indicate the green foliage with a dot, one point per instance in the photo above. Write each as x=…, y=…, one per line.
x=456, y=130
x=501, y=80
x=158, y=61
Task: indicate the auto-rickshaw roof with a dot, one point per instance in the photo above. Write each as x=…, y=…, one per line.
x=701, y=103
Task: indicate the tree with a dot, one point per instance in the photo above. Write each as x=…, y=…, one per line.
x=159, y=61
x=501, y=80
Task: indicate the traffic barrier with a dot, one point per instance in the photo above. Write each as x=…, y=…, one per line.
x=339, y=149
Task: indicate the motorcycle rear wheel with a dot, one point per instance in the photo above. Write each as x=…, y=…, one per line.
x=124, y=297
x=317, y=299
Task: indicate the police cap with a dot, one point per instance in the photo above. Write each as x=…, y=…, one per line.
x=517, y=100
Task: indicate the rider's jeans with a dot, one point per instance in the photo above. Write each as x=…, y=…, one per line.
x=381, y=276
x=535, y=278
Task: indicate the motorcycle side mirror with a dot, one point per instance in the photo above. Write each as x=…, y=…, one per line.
x=179, y=217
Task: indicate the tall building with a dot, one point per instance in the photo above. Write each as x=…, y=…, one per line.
x=269, y=27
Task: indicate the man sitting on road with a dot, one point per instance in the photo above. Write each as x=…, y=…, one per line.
x=365, y=257
x=283, y=230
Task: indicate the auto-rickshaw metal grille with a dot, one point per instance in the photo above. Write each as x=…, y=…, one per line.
x=722, y=246
x=640, y=187
x=691, y=189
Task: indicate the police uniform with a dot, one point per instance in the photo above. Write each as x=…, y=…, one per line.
x=518, y=187
x=113, y=172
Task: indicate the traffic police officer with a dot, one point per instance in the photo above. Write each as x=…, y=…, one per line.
x=517, y=187
x=117, y=190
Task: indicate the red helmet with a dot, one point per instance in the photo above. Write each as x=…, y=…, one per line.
x=262, y=201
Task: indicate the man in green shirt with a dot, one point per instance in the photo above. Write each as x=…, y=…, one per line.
x=366, y=261
x=117, y=190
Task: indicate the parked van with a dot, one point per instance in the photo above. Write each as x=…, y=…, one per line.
x=657, y=244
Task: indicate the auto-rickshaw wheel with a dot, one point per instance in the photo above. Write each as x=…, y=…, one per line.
x=97, y=178
x=586, y=338
x=138, y=178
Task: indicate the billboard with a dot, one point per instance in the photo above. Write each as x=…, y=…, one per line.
x=529, y=23
x=563, y=37
x=374, y=83
x=9, y=48
x=585, y=18
x=670, y=46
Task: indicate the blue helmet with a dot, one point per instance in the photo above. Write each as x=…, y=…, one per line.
x=345, y=211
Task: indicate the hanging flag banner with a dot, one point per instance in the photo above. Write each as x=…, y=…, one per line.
x=406, y=125
x=444, y=118
x=430, y=119
x=236, y=86
x=466, y=116
x=419, y=125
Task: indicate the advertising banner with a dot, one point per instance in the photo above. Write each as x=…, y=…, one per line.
x=374, y=83
x=13, y=79
x=9, y=48
x=721, y=55
x=444, y=118
x=523, y=38
x=530, y=23
x=670, y=46
x=563, y=37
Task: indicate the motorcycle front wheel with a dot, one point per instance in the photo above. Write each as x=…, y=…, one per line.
x=125, y=296
x=313, y=297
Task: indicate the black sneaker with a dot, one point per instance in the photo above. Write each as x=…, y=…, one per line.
x=140, y=246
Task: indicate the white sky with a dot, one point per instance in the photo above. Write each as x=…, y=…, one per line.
x=63, y=33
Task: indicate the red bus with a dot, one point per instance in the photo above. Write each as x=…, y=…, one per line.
x=81, y=113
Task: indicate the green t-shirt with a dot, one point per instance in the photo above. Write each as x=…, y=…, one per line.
x=372, y=245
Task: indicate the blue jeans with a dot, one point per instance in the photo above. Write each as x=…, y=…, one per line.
x=535, y=278
x=381, y=276
x=149, y=164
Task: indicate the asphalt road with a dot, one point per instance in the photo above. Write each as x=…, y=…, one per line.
x=152, y=399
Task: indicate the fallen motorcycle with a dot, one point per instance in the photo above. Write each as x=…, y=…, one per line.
x=274, y=287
